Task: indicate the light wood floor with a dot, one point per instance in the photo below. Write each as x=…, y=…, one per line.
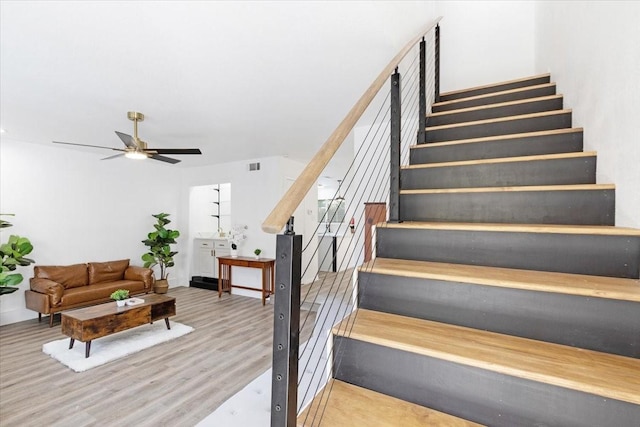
x=172, y=384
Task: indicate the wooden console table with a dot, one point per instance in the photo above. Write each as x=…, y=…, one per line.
x=267, y=265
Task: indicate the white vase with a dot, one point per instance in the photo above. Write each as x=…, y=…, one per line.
x=234, y=253
x=121, y=303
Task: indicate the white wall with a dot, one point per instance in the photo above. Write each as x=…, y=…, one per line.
x=76, y=208
x=592, y=50
x=485, y=42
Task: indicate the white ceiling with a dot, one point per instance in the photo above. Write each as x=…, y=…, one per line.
x=239, y=80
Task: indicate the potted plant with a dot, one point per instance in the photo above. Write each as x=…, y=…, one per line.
x=257, y=252
x=12, y=254
x=120, y=296
x=160, y=253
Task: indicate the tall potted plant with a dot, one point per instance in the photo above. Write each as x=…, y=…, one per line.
x=12, y=254
x=160, y=253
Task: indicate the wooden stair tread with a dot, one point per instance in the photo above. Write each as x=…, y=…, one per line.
x=496, y=105
x=504, y=160
x=492, y=94
x=532, y=280
x=500, y=119
x=495, y=84
x=602, y=230
x=347, y=405
x=497, y=137
x=573, y=187
x=607, y=375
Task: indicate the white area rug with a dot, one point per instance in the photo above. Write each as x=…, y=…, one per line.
x=113, y=347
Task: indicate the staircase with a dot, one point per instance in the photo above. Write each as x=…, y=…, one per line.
x=506, y=296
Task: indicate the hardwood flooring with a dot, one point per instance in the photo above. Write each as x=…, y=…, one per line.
x=172, y=384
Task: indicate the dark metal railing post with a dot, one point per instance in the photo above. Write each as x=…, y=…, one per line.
x=436, y=80
x=422, y=95
x=286, y=324
x=394, y=191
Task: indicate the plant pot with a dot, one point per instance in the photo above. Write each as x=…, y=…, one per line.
x=234, y=253
x=121, y=303
x=257, y=256
x=161, y=286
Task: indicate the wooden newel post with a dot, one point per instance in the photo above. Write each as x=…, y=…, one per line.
x=286, y=325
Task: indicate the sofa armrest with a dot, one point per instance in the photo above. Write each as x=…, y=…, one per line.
x=48, y=287
x=140, y=274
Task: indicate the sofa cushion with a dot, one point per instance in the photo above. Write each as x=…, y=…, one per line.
x=69, y=276
x=107, y=271
x=100, y=291
x=53, y=290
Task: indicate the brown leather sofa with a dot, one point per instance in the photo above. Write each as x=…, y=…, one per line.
x=58, y=288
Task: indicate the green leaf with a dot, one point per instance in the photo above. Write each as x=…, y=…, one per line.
x=24, y=262
x=148, y=257
x=24, y=246
x=11, y=279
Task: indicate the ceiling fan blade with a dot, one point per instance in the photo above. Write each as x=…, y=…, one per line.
x=127, y=139
x=113, y=157
x=87, y=145
x=175, y=150
x=164, y=159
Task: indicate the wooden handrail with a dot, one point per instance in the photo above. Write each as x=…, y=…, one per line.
x=283, y=210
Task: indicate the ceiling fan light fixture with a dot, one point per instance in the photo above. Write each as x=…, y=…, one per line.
x=136, y=155
x=137, y=149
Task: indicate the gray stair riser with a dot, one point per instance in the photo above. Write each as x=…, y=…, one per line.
x=593, y=323
x=497, y=88
x=579, y=170
x=597, y=255
x=534, y=106
x=576, y=207
x=529, y=124
x=472, y=393
x=526, y=146
x=505, y=97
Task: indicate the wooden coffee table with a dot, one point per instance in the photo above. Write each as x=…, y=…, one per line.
x=87, y=324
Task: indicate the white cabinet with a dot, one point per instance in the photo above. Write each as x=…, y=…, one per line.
x=205, y=253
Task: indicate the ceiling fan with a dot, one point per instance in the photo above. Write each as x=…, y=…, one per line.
x=135, y=148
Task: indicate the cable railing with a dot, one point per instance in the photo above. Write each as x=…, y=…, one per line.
x=369, y=193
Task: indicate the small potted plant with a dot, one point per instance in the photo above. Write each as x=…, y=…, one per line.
x=257, y=252
x=120, y=296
